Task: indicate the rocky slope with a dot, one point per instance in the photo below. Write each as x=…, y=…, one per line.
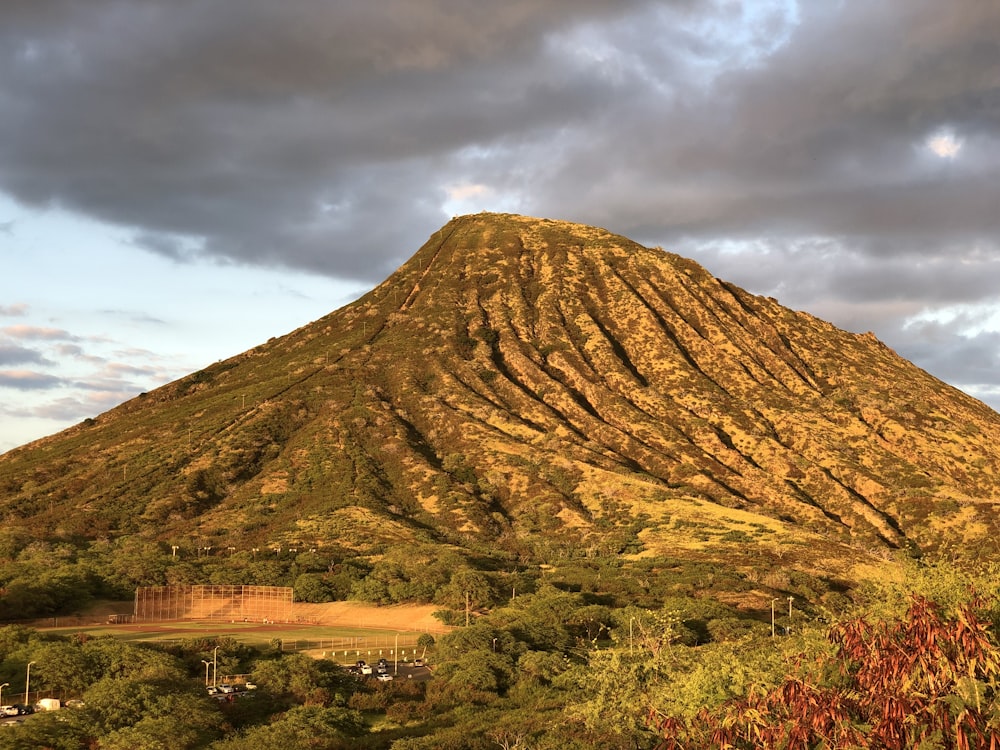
x=538, y=386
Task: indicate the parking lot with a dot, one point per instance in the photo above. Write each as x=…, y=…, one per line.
x=387, y=669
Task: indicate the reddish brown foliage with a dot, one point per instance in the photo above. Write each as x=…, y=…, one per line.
x=890, y=686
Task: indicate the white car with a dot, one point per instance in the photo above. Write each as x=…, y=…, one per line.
x=383, y=677
x=9, y=711
x=367, y=669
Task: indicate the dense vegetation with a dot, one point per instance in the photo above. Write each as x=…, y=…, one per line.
x=590, y=652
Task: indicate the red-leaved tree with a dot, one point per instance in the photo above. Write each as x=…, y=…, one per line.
x=926, y=681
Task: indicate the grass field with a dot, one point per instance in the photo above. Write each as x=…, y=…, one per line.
x=343, y=644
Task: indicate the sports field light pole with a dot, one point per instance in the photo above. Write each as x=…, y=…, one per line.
x=215, y=667
x=27, y=682
x=207, y=665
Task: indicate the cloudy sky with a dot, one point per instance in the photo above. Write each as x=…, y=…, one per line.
x=180, y=180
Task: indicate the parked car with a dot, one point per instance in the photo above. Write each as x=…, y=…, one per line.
x=9, y=710
x=23, y=710
x=212, y=690
x=224, y=688
x=418, y=662
x=384, y=677
x=367, y=669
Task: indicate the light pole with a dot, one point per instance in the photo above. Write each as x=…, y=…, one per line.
x=772, y=617
x=494, y=645
x=789, y=630
x=6, y=684
x=215, y=667
x=395, y=651
x=207, y=665
x=27, y=682
x=630, y=620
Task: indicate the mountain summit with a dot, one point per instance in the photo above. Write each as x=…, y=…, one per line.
x=538, y=385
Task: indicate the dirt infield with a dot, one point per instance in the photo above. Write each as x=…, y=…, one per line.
x=308, y=621
x=413, y=617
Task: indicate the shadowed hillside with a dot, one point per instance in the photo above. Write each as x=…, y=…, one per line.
x=539, y=386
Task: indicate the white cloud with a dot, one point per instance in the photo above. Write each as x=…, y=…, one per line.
x=946, y=145
x=465, y=191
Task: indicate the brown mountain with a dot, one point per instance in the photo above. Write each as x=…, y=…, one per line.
x=538, y=386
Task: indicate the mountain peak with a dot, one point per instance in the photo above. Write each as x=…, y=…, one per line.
x=538, y=385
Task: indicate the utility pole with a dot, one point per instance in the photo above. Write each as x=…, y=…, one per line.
x=27, y=683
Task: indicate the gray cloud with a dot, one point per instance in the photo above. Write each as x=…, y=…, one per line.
x=37, y=333
x=16, y=310
x=787, y=146
x=27, y=380
x=12, y=354
x=278, y=138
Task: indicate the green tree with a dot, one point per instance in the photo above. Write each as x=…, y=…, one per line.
x=64, y=666
x=313, y=587
x=302, y=679
x=123, y=710
x=465, y=587
x=302, y=727
x=114, y=659
x=51, y=730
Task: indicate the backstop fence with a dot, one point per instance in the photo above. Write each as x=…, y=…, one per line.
x=229, y=603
